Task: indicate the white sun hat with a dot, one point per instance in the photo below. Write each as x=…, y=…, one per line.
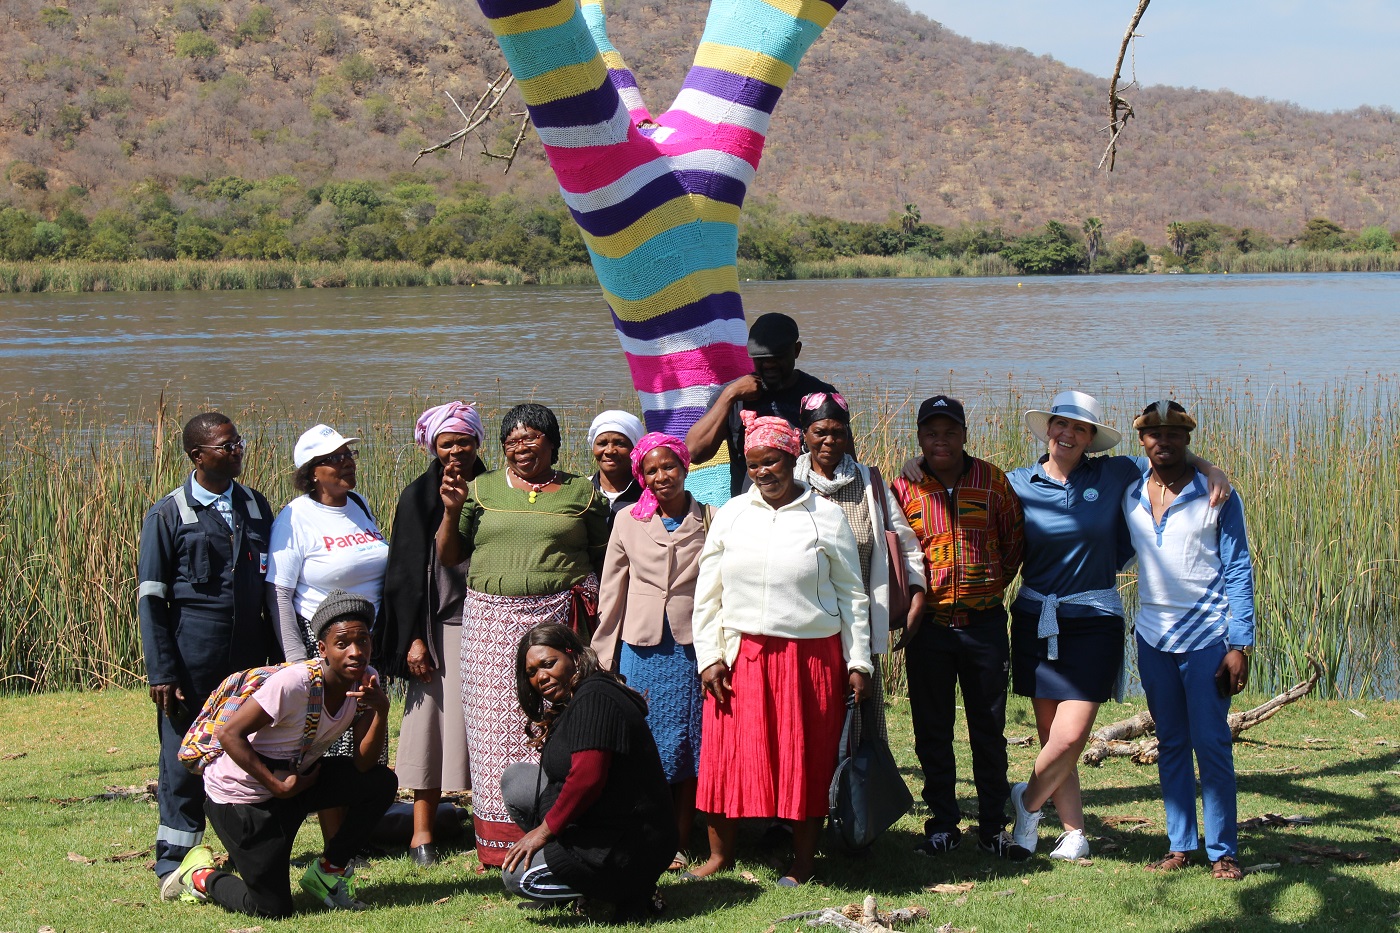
x=1077, y=406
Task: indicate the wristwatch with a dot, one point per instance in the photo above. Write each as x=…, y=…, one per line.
x=1246, y=650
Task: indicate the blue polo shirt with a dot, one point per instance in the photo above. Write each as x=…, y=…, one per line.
x=1076, y=538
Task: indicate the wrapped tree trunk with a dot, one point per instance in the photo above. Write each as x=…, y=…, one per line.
x=658, y=198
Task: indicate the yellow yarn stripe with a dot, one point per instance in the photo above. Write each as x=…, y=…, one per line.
x=678, y=294
x=613, y=59
x=682, y=210
x=814, y=11
x=744, y=62
x=569, y=81
x=543, y=18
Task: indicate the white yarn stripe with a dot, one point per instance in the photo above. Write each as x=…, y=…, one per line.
x=692, y=397
x=706, y=335
x=714, y=109
x=608, y=133
x=707, y=160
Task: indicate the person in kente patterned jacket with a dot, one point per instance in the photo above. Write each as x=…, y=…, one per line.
x=969, y=524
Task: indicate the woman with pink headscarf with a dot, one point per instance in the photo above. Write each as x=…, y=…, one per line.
x=644, y=607
x=422, y=630
x=781, y=634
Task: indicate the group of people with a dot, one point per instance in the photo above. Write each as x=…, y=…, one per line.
x=600, y=659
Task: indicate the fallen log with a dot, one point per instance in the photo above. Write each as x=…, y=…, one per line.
x=1116, y=740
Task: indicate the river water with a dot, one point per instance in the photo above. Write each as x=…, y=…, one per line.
x=1136, y=335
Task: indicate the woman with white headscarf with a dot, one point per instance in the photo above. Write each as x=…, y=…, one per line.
x=611, y=437
x=421, y=637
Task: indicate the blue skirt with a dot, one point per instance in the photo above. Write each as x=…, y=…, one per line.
x=665, y=674
x=1091, y=652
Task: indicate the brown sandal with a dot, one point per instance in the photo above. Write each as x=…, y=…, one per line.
x=1226, y=869
x=1170, y=862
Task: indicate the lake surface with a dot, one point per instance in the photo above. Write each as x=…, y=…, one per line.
x=1135, y=335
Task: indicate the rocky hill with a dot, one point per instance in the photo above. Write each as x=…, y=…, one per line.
x=889, y=108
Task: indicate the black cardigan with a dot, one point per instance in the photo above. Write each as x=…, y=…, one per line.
x=617, y=848
x=410, y=592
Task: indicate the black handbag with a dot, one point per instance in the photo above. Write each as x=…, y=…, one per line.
x=867, y=794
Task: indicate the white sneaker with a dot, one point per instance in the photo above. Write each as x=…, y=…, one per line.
x=1025, y=830
x=1072, y=846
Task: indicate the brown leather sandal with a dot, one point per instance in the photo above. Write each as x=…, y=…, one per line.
x=1226, y=869
x=1170, y=862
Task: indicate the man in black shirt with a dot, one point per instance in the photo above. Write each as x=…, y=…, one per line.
x=775, y=387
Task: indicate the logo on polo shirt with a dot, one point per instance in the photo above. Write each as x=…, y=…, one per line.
x=1091, y=495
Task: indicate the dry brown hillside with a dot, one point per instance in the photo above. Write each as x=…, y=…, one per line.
x=889, y=108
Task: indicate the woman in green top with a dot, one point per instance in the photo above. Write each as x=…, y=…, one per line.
x=536, y=537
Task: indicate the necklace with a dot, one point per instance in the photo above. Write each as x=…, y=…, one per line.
x=535, y=488
x=1162, y=498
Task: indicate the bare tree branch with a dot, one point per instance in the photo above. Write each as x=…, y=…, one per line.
x=481, y=114
x=1116, y=103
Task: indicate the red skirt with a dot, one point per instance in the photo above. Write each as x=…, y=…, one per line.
x=770, y=750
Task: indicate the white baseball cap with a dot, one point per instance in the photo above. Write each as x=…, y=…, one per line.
x=317, y=442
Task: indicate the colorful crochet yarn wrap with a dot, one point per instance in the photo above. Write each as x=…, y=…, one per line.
x=658, y=198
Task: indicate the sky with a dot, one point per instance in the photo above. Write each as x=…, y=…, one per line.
x=1322, y=54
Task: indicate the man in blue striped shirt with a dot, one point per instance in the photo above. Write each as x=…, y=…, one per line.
x=1195, y=633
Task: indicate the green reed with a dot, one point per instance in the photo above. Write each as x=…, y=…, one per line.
x=1301, y=260
x=903, y=267
x=213, y=275
x=1317, y=469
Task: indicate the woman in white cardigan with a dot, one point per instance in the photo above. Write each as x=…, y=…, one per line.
x=781, y=632
x=832, y=473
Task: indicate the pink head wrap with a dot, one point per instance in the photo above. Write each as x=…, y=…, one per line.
x=454, y=417
x=768, y=431
x=647, y=504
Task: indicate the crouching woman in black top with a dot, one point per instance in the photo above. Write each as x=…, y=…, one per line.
x=597, y=809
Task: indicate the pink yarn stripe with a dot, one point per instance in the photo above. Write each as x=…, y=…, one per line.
x=688, y=368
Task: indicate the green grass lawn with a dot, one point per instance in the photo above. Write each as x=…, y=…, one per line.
x=1316, y=759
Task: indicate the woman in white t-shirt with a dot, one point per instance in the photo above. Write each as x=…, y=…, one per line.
x=326, y=539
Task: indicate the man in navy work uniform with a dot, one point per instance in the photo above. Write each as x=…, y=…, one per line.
x=203, y=616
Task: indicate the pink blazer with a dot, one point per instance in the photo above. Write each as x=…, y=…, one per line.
x=649, y=573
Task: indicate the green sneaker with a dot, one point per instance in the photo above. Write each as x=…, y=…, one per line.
x=195, y=859
x=337, y=891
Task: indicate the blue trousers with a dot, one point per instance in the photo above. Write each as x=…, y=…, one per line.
x=1191, y=718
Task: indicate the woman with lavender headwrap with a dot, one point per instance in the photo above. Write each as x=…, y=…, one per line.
x=646, y=597
x=421, y=637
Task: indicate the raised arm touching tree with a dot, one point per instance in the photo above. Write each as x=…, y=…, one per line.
x=658, y=198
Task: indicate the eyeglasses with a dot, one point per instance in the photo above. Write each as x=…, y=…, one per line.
x=234, y=446
x=524, y=440
x=341, y=457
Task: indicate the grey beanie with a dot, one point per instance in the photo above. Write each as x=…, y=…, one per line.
x=338, y=605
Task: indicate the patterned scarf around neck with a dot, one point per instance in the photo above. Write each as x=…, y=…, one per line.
x=845, y=472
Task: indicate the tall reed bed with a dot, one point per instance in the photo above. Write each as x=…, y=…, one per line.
x=1301, y=260
x=223, y=275
x=903, y=267
x=1317, y=469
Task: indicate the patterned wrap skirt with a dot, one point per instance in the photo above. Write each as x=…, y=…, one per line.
x=491, y=628
x=770, y=750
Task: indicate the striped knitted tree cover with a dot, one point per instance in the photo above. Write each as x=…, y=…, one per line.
x=658, y=198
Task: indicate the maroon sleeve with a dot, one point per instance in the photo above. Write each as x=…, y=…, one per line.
x=588, y=773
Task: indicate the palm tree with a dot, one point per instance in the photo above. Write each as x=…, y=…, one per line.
x=910, y=219
x=1093, y=234
x=1176, y=236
